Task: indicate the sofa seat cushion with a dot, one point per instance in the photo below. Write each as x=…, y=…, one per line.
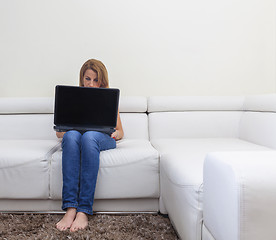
x=24, y=168
x=181, y=166
x=129, y=171
x=183, y=158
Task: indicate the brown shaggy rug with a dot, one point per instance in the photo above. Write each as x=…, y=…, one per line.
x=101, y=226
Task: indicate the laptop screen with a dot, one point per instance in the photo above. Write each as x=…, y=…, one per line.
x=86, y=107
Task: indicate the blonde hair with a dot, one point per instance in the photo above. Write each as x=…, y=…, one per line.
x=99, y=68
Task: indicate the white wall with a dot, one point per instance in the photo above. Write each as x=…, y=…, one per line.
x=150, y=47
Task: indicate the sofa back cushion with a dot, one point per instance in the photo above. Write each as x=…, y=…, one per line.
x=33, y=118
x=203, y=117
x=26, y=118
x=133, y=113
x=258, y=122
x=27, y=126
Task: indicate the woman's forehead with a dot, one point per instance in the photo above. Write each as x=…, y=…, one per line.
x=91, y=73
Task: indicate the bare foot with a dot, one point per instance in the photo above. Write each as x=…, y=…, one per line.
x=67, y=220
x=81, y=222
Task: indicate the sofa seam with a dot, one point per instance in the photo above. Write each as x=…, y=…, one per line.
x=43, y=158
x=241, y=207
x=165, y=111
x=145, y=159
x=181, y=185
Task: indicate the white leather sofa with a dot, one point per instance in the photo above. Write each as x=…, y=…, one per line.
x=30, y=160
x=190, y=140
x=239, y=195
x=235, y=200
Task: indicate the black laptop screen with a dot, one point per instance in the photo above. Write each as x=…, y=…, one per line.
x=81, y=106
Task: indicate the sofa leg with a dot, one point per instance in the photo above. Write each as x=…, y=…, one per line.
x=163, y=215
x=162, y=206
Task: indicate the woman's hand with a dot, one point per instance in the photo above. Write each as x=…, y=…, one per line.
x=119, y=133
x=60, y=134
x=116, y=135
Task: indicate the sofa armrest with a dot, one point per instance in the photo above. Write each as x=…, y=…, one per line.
x=239, y=200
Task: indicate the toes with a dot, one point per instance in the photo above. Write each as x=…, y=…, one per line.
x=73, y=229
x=58, y=226
x=76, y=228
x=61, y=227
x=64, y=228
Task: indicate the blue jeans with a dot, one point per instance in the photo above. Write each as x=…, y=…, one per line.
x=80, y=166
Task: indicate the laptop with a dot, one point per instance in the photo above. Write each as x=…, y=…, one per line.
x=86, y=109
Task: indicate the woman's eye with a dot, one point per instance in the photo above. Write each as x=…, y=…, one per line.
x=87, y=79
x=96, y=80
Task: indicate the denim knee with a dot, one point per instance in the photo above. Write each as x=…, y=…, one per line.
x=92, y=138
x=91, y=135
x=99, y=140
x=72, y=136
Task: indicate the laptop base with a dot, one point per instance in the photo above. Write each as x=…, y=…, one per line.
x=108, y=131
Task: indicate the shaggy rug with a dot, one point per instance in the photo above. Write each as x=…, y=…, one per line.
x=101, y=226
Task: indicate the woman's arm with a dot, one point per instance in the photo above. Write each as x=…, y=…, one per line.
x=119, y=133
x=60, y=134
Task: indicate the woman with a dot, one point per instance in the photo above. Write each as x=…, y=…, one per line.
x=80, y=157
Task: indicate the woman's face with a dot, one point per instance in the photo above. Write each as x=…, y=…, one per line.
x=90, y=79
